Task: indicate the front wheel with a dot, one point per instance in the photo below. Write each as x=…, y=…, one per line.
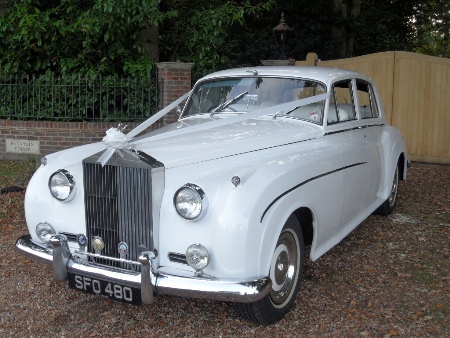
x=388, y=206
x=286, y=269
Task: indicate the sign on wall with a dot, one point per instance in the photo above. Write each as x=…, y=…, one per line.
x=22, y=146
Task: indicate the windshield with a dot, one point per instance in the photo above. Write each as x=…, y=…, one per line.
x=245, y=94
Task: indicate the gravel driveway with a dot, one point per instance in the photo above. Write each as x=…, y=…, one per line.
x=389, y=278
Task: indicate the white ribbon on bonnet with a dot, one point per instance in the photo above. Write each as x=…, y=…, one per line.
x=115, y=139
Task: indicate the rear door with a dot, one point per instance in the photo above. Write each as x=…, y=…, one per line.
x=369, y=116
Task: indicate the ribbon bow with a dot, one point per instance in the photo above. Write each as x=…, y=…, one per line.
x=116, y=139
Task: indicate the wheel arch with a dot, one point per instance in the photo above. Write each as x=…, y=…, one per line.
x=402, y=166
x=305, y=217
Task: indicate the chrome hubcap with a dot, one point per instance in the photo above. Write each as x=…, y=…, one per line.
x=393, y=195
x=283, y=267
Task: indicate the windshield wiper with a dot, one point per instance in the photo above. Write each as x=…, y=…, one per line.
x=227, y=103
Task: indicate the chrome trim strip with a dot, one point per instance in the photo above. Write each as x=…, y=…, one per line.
x=354, y=128
x=149, y=280
x=307, y=181
x=120, y=260
x=29, y=249
x=215, y=289
x=177, y=258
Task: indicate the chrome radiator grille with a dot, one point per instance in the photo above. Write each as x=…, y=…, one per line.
x=118, y=204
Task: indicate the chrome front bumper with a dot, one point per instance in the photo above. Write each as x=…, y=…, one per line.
x=150, y=281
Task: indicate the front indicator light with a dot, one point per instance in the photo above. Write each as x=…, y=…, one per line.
x=44, y=231
x=62, y=185
x=197, y=257
x=190, y=202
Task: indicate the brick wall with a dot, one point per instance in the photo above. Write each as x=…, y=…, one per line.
x=174, y=80
x=52, y=136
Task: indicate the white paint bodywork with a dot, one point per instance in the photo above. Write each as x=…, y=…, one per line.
x=340, y=172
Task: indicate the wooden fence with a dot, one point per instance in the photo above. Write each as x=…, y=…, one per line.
x=415, y=90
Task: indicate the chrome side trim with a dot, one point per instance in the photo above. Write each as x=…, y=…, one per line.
x=354, y=128
x=149, y=280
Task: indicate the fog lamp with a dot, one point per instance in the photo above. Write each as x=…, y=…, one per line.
x=197, y=257
x=44, y=231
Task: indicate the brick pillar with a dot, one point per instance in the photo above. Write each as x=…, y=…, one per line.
x=174, y=80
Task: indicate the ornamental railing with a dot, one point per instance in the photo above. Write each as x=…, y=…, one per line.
x=96, y=99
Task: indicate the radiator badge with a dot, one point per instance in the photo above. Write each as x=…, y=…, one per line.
x=123, y=249
x=98, y=244
x=82, y=241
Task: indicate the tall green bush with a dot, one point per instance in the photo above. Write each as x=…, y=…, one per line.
x=77, y=37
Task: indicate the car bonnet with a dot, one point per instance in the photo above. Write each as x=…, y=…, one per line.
x=225, y=141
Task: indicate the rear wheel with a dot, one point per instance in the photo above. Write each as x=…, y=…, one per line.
x=285, y=272
x=388, y=206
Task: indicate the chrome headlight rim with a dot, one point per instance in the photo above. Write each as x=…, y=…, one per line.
x=70, y=184
x=202, y=201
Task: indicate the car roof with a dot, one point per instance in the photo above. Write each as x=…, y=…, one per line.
x=326, y=75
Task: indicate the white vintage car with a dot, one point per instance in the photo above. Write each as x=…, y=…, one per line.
x=262, y=162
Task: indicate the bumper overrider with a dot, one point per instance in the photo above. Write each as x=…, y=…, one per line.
x=150, y=281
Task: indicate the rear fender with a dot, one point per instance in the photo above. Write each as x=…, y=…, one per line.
x=394, y=152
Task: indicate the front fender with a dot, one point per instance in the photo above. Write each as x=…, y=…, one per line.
x=243, y=222
x=40, y=206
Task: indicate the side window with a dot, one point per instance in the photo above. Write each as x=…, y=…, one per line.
x=312, y=112
x=341, y=107
x=366, y=98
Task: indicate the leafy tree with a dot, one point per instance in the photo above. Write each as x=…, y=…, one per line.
x=432, y=25
x=202, y=31
x=105, y=36
x=311, y=22
x=77, y=36
x=385, y=25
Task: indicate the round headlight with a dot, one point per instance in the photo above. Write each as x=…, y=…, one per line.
x=62, y=185
x=190, y=202
x=44, y=231
x=197, y=256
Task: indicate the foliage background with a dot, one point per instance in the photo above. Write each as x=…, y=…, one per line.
x=77, y=36
x=104, y=36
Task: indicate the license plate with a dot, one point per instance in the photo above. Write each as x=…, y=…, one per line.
x=110, y=290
